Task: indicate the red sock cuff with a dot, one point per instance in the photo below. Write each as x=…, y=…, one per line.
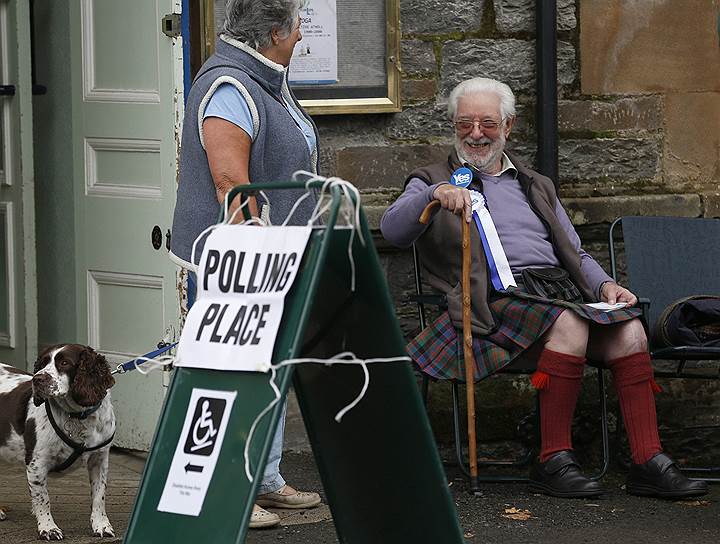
x=554, y=363
x=561, y=364
x=633, y=368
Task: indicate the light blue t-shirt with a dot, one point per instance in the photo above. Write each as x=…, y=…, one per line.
x=229, y=104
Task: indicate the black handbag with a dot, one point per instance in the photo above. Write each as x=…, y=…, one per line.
x=690, y=321
x=551, y=282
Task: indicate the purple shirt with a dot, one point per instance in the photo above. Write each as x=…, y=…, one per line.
x=524, y=237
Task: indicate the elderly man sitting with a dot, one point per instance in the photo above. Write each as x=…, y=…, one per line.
x=526, y=258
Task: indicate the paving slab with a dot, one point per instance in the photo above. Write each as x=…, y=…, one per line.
x=505, y=513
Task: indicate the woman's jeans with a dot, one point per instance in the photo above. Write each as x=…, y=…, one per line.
x=272, y=480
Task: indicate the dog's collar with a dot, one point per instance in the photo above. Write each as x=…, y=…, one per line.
x=83, y=414
x=78, y=449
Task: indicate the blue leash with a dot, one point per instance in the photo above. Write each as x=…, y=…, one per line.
x=134, y=363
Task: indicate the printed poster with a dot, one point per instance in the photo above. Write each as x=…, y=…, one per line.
x=245, y=272
x=315, y=58
x=197, y=451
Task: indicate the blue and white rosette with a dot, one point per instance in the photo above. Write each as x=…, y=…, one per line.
x=500, y=273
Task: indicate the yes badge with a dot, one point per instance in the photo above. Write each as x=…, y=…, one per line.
x=461, y=177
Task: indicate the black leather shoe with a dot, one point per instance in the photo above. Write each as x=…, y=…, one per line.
x=560, y=476
x=661, y=477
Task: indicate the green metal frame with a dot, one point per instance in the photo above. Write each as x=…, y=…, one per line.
x=380, y=469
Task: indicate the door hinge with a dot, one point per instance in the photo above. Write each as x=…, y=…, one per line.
x=171, y=25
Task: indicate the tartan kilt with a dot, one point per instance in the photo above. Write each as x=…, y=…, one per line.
x=520, y=321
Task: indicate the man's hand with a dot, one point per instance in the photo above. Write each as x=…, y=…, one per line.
x=455, y=199
x=611, y=293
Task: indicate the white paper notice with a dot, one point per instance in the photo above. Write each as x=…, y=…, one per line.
x=197, y=451
x=314, y=60
x=244, y=274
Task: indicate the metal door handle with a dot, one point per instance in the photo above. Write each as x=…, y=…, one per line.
x=7, y=90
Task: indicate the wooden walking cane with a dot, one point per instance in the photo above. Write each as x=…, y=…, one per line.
x=467, y=341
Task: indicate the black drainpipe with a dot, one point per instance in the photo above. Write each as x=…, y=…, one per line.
x=546, y=62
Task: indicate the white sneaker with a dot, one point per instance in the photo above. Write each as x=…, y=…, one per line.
x=287, y=497
x=261, y=518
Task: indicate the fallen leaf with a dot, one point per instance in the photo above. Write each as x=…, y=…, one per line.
x=517, y=514
x=591, y=504
x=469, y=534
x=693, y=503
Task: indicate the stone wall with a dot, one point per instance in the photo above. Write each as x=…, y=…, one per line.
x=639, y=122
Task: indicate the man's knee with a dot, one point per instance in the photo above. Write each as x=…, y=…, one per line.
x=631, y=337
x=569, y=334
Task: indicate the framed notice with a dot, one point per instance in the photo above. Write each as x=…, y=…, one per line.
x=347, y=61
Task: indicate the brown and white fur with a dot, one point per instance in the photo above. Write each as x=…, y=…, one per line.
x=72, y=378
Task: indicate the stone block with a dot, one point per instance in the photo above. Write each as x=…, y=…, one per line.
x=587, y=211
x=417, y=57
x=373, y=214
x=692, y=137
x=385, y=166
x=638, y=113
x=440, y=16
x=338, y=131
x=418, y=90
x=711, y=203
x=510, y=61
x=327, y=161
x=608, y=159
x=420, y=123
x=519, y=15
x=639, y=47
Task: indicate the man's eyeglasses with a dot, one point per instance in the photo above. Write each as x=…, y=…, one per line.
x=488, y=126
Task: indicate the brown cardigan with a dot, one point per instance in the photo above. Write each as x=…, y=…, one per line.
x=440, y=246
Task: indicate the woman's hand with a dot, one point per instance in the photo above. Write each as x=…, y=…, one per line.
x=228, y=151
x=612, y=293
x=455, y=199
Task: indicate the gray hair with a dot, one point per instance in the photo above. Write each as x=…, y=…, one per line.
x=483, y=85
x=252, y=21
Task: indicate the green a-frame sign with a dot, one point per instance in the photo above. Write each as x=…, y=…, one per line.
x=380, y=469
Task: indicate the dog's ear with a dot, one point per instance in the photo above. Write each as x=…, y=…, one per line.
x=92, y=378
x=44, y=358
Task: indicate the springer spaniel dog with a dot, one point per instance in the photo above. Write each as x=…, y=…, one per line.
x=52, y=419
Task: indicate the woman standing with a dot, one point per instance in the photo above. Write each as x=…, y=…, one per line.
x=244, y=125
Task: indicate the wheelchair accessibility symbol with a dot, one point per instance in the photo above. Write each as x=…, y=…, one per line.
x=203, y=430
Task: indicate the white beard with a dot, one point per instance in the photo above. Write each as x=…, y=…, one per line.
x=484, y=159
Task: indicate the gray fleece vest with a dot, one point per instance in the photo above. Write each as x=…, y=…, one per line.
x=278, y=146
x=440, y=246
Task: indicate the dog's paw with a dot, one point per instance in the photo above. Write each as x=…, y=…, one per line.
x=102, y=528
x=51, y=533
x=3, y=517
x=104, y=531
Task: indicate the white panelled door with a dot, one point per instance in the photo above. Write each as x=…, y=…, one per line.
x=128, y=99
x=18, y=302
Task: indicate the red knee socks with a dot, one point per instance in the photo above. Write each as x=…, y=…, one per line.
x=558, y=380
x=633, y=377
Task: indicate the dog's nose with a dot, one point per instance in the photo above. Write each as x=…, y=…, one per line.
x=41, y=381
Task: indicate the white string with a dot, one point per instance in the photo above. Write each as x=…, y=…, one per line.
x=346, y=357
x=353, y=220
x=226, y=221
x=145, y=365
x=149, y=365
